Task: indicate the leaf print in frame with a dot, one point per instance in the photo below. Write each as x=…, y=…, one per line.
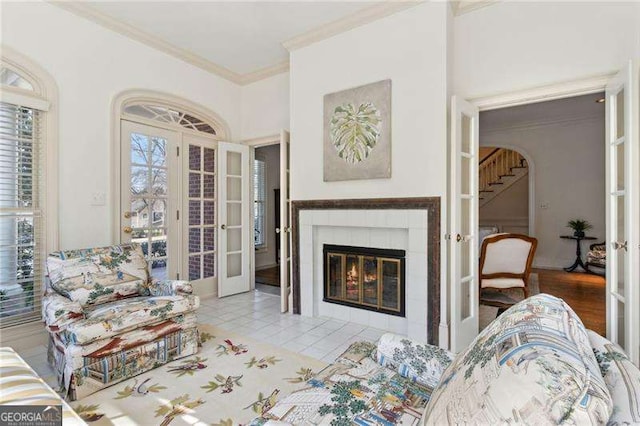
x=357, y=133
x=355, y=130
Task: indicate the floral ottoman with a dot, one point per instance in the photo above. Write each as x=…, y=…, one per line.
x=535, y=364
x=385, y=383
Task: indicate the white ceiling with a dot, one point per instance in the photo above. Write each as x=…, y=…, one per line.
x=243, y=37
x=573, y=108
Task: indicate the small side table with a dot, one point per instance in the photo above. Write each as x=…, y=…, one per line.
x=578, y=261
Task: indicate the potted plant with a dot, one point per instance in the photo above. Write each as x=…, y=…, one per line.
x=579, y=226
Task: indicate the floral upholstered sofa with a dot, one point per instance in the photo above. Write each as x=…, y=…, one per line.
x=535, y=364
x=108, y=321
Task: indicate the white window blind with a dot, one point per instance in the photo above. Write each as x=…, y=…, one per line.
x=21, y=220
x=259, y=191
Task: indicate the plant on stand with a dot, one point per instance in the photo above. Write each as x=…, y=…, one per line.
x=579, y=226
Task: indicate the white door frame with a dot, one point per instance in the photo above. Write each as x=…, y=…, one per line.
x=567, y=89
x=257, y=143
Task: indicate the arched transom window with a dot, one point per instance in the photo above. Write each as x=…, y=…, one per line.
x=171, y=116
x=11, y=78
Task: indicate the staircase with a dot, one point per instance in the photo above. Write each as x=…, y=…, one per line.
x=497, y=172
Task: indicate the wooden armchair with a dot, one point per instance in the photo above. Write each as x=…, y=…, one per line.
x=505, y=262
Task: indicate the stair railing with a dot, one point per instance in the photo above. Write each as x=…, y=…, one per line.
x=497, y=165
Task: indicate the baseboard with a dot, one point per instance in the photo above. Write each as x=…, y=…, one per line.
x=551, y=267
x=269, y=266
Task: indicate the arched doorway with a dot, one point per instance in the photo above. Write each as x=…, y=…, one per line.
x=166, y=184
x=506, y=202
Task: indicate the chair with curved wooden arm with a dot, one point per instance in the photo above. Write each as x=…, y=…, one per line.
x=505, y=262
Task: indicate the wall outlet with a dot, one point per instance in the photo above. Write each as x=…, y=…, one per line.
x=98, y=199
x=544, y=206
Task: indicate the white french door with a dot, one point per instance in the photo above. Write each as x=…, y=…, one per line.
x=199, y=204
x=234, y=217
x=463, y=241
x=285, y=223
x=149, y=195
x=622, y=209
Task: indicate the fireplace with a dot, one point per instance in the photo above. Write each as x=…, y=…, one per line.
x=365, y=278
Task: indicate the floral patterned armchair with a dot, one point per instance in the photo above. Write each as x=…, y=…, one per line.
x=108, y=320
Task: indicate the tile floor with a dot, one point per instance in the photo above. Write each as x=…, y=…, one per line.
x=257, y=315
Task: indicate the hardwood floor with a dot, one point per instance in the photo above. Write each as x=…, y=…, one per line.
x=585, y=293
x=270, y=276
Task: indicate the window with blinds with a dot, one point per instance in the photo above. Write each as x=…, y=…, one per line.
x=259, y=203
x=21, y=219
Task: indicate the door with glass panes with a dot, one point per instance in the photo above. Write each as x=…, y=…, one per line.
x=149, y=195
x=199, y=207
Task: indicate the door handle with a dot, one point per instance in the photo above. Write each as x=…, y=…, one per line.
x=127, y=215
x=287, y=229
x=223, y=227
x=277, y=230
x=618, y=246
x=127, y=229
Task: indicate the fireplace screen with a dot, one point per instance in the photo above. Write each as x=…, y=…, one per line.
x=365, y=278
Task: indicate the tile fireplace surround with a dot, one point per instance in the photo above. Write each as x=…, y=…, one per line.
x=410, y=224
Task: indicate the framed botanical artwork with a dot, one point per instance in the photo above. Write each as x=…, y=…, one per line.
x=357, y=133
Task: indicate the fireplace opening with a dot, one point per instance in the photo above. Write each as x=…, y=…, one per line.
x=365, y=278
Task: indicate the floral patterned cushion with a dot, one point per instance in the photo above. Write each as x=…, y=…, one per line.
x=169, y=288
x=354, y=390
x=58, y=311
x=532, y=365
x=622, y=379
x=422, y=363
x=98, y=275
x=117, y=317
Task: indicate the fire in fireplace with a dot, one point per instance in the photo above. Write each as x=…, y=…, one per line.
x=365, y=278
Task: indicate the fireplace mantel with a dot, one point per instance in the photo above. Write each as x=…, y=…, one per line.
x=430, y=204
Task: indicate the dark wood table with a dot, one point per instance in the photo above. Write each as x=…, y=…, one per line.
x=578, y=261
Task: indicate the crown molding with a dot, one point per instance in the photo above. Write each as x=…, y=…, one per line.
x=263, y=73
x=466, y=6
x=84, y=10
x=531, y=125
x=360, y=18
x=357, y=19
x=549, y=92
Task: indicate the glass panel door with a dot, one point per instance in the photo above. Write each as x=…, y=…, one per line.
x=285, y=223
x=200, y=206
x=463, y=246
x=622, y=98
x=148, y=195
x=234, y=213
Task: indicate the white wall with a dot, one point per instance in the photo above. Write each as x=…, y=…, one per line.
x=91, y=65
x=410, y=49
x=271, y=154
x=568, y=158
x=265, y=107
x=516, y=45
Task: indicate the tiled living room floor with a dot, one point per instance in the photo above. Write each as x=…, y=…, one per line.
x=257, y=315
